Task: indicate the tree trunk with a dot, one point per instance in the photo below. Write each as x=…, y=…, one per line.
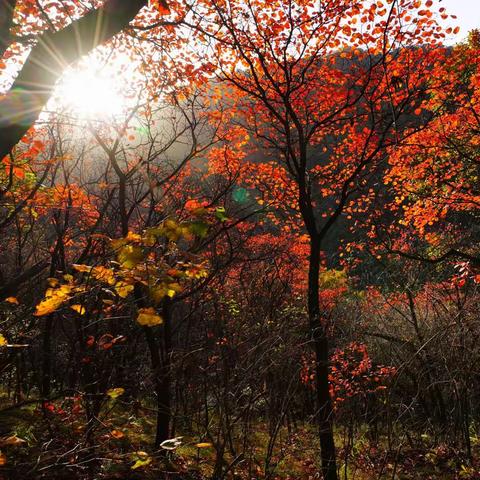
x=46, y=358
x=162, y=388
x=319, y=339
x=163, y=393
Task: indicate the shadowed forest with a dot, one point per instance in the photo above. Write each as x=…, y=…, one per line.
x=239, y=240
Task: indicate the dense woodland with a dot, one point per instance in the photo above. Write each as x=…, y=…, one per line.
x=263, y=264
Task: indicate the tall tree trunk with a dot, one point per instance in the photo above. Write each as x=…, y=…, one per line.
x=164, y=382
x=319, y=338
x=162, y=388
x=47, y=358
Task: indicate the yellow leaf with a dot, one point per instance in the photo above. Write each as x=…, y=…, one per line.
x=53, y=300
x=158, y=292
x=175, y=287
x=142, y=459
x=123, y=289
x=3, y=459
x=130, y=256
x=47, y=306
x=133, y=237
x=115, y=392
x=79, y=309
x=64, y=289
x=3, y=341
x=141, y=463
x=12, y=300
x=172, y=230
x=203, y=445
x=148, y=317
x=154, y=232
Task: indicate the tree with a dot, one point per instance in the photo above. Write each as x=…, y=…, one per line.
x=320, y=88
x=434, y=176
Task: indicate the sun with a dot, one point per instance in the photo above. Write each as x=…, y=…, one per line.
x=91, y=92
x=91, y=95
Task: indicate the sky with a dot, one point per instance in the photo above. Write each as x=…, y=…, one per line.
x=467, y=11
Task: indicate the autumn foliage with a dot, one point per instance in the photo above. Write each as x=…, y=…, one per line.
x=262, y=263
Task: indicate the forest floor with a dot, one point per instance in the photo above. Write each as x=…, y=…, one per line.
x=53, y=444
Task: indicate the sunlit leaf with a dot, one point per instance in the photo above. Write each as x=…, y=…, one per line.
x=148, y=317
x=220, y=214
x=79, y=309
x=49, y=305
x=115, y=392
x=161, y=6
x=141, y=463
x=123, y=289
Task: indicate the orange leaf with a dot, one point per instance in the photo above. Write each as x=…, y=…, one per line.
x=161, y=6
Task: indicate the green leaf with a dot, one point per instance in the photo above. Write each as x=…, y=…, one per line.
x=220, y=214
x=141, y=460
x=130, y=256
x=199, y=228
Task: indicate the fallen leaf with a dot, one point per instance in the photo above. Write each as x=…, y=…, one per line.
x=171, y=443
x=13, y=440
